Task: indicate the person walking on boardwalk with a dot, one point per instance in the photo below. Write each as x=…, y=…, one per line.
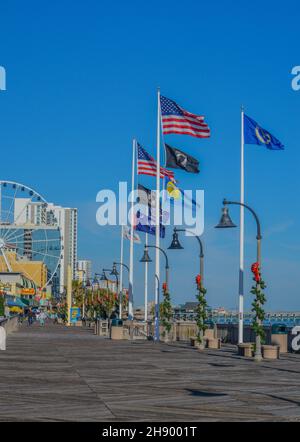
x=30, y=317
x=42, y=317
x=55, y=318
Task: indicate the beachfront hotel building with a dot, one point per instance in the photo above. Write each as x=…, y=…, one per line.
x=39, y=213
x=84, y=270
x=66, y=219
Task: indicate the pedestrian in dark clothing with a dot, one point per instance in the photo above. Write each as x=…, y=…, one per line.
x=30, y=317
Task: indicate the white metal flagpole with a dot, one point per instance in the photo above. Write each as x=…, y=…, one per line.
x=0, y=202
x=146, y=282
x=157, y=220
x=130, y=288
x=242, y=237
x=121, y=272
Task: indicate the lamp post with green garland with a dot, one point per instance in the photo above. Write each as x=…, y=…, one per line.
x=146, y=258
x=201, y=312
x=259, y=300
x=202, y=304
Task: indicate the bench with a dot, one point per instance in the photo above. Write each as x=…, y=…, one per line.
x=246, y=349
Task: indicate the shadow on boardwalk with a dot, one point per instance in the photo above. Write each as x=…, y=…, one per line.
x=68, y=374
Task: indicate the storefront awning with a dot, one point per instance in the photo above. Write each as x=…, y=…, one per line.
x=16, y=303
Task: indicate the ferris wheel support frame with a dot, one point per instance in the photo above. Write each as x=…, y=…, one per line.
x=11, y=231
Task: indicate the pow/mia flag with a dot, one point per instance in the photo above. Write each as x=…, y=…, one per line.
x=146, y=196
x=177, y=159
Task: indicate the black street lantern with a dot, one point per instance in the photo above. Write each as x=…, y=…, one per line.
x=114, y=271
x=175, y=245
x=103, y=277
x=225, y=221
x=146, y=257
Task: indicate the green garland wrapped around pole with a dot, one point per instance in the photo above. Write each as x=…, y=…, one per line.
x=258, y=302
x=201, y=312
x=2, y=305
x=226, y=222
x=166, y=311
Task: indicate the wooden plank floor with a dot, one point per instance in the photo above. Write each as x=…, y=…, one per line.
x=68, y=374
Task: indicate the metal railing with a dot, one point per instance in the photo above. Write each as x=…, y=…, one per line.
x=10, y=324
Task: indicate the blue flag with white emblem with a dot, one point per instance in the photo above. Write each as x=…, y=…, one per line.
x=255, y=134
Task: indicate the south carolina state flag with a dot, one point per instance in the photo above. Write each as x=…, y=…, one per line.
x=255, y=134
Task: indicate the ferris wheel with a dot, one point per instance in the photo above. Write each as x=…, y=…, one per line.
x=30, y=237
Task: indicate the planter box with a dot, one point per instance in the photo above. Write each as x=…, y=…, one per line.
x=245, y=349
x=198, y=345
x=116, y=333
x=201, y=346
x=281, y=340
x=270, y=351
x=193, y=341
x=184, y=330
x=167, y=338
x=214, y=343
x=209, y=333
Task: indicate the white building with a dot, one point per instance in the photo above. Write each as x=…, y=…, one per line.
x=29, y=212
x=84, y=270
x=66, y=219
x=39, y=213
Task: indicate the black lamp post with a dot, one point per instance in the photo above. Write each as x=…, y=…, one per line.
x=121, y=264
x=88, y=285
x=156, y=323
x=175, y=245
x=103, y=276
x=96, y=281
x=146, y=258
x=113, y=272
x=84, y=283
x=121, y=288
x=226, y=222
x=97, y=277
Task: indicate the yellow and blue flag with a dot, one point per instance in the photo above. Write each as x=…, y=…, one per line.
x=176, y=195
x=172, y=191
x=255, y=134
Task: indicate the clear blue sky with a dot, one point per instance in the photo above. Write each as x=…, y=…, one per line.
x=81, y=82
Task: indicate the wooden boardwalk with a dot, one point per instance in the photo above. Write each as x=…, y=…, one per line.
x=68, y=374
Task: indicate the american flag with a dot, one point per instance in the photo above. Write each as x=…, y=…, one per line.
x=176, y=120
x=146, y=165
